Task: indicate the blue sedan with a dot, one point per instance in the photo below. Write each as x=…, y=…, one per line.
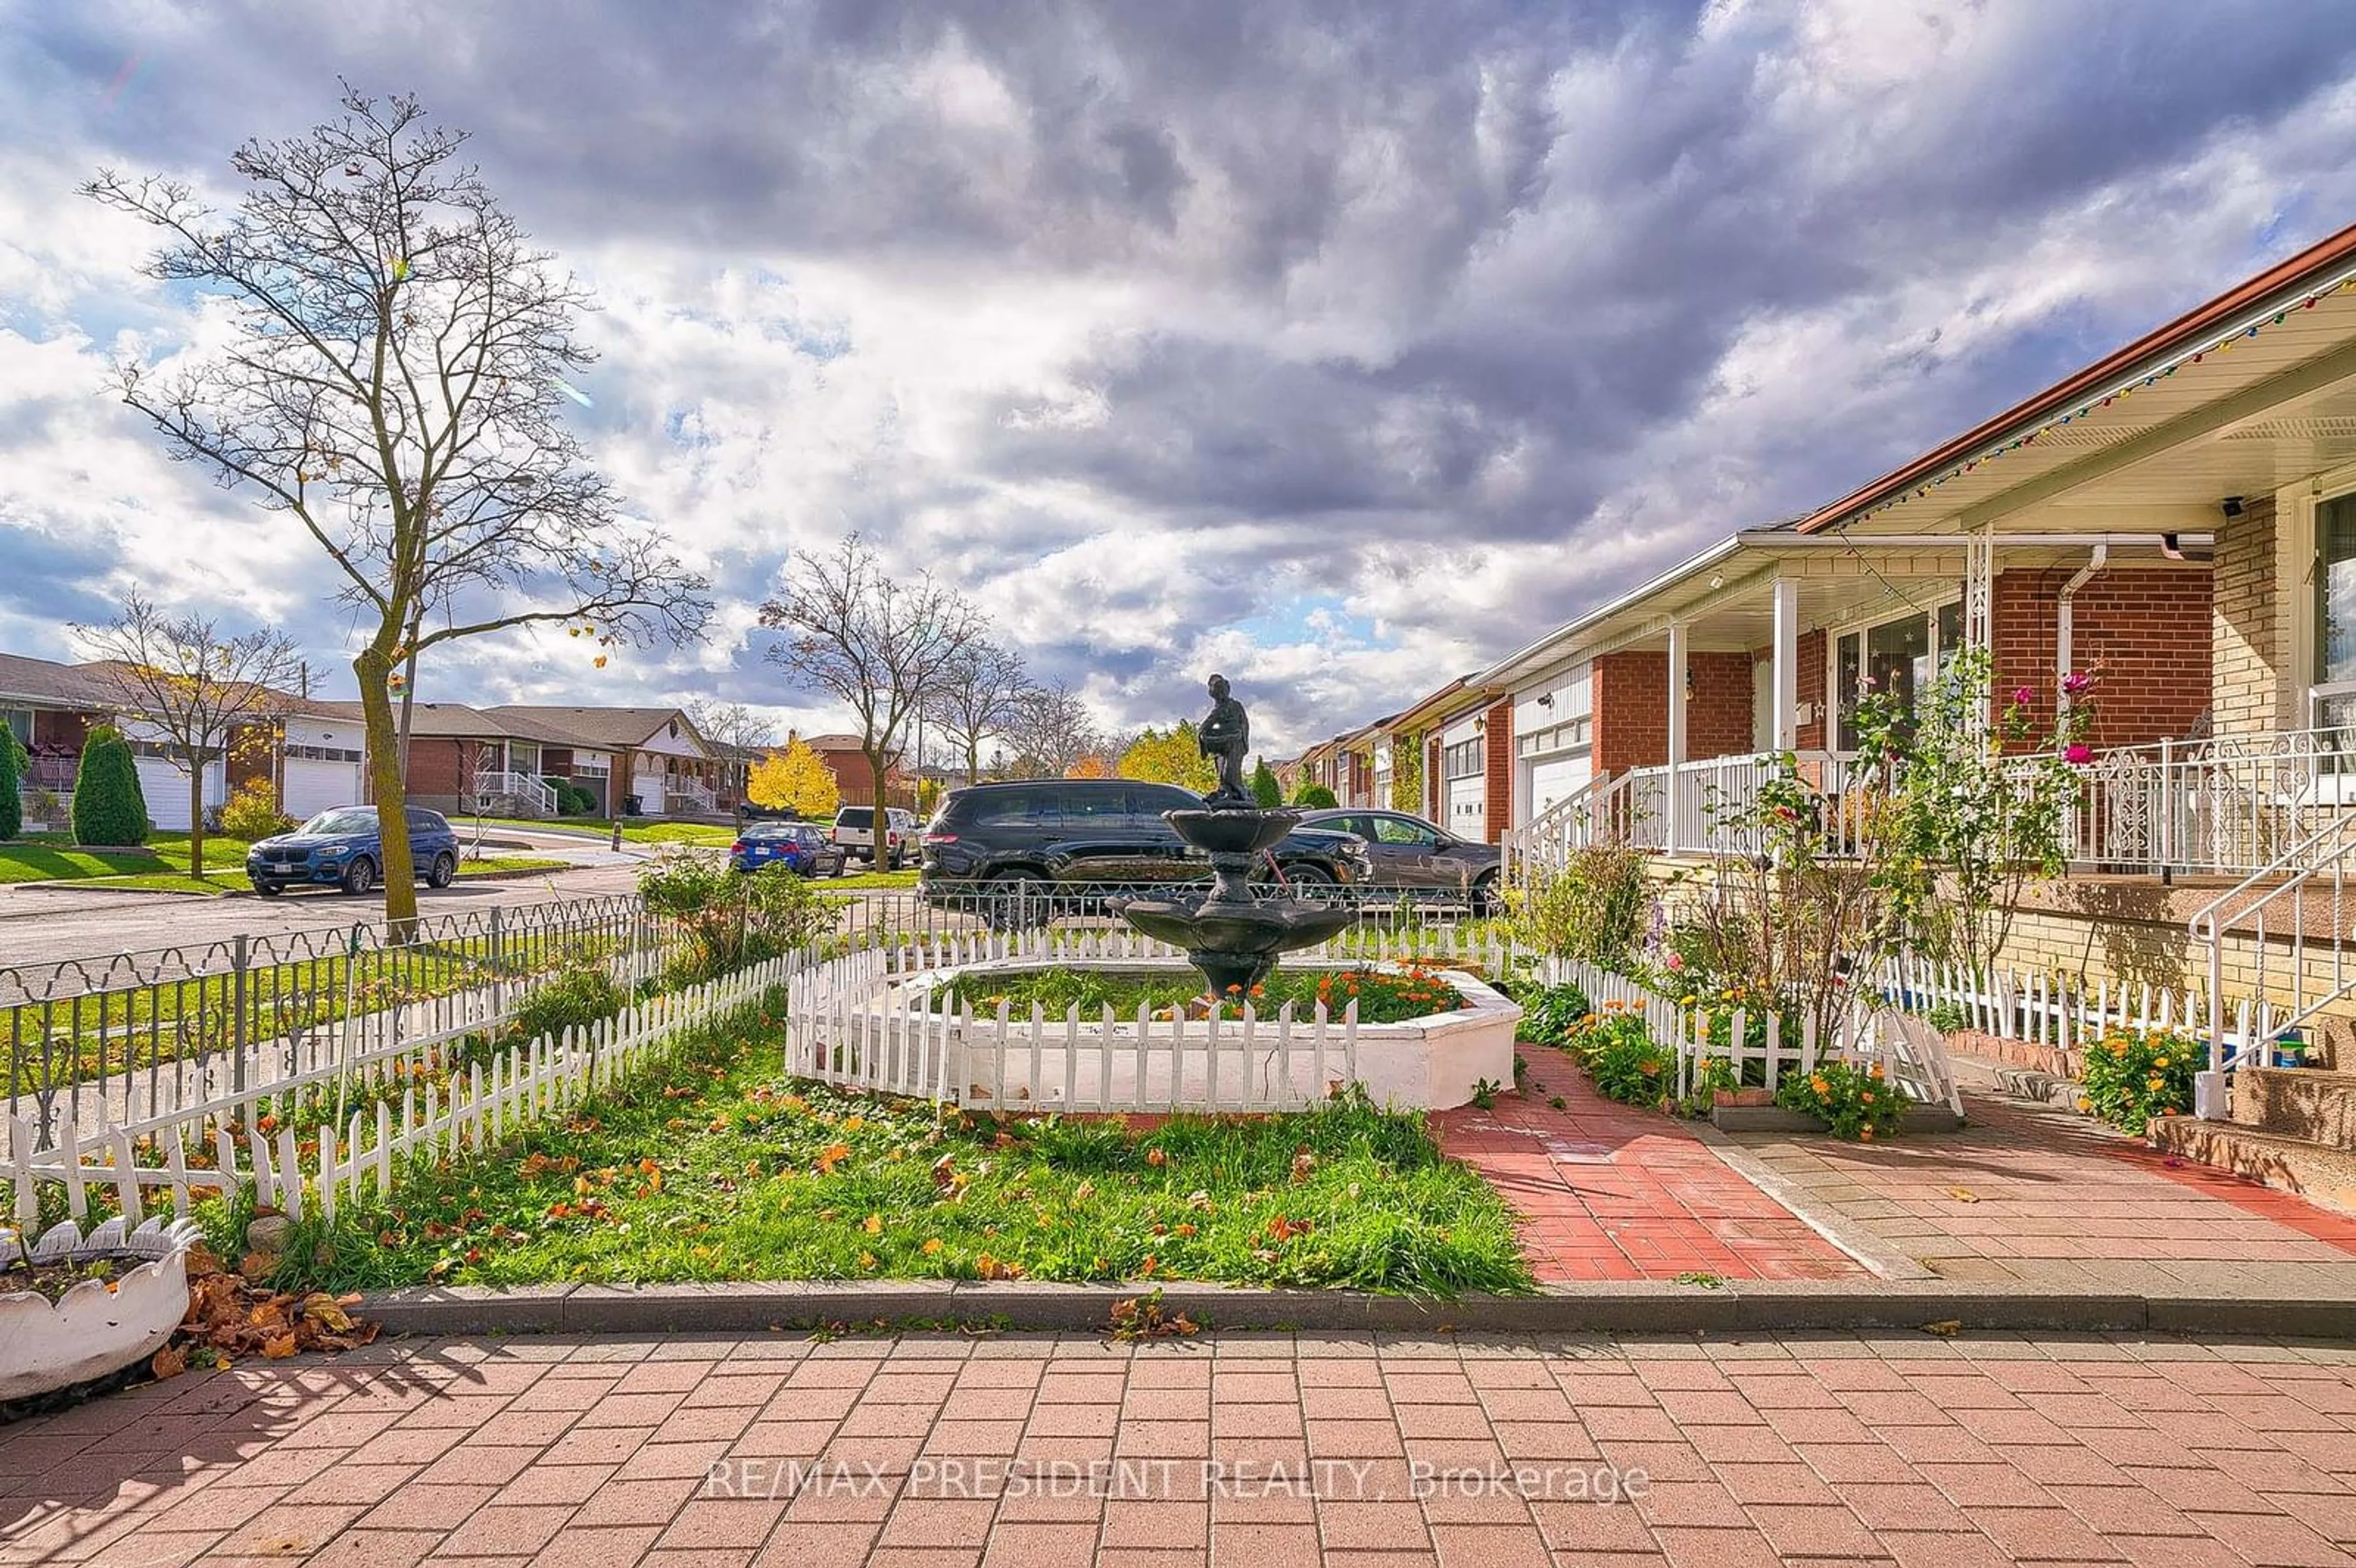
x=803, y=847
x=344, y=848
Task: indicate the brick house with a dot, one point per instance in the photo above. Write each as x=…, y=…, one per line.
x=653, y=756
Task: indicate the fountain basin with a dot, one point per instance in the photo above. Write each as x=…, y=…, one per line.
x=1431, y=1062
x=1236, y=944
x=1232, y=831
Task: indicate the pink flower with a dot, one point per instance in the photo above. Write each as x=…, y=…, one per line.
x=2077, y=752
x=2077, y=683
x=1675, y=962
x=2023, y=695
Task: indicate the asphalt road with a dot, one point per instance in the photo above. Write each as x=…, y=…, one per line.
x=41, y=926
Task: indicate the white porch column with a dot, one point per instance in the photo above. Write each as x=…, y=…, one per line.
x=1675, y=828
x=1786, y=671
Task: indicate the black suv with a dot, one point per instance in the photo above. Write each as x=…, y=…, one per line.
x=1097, y=835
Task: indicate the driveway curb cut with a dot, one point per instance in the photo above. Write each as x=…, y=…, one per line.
x=1609, y=1307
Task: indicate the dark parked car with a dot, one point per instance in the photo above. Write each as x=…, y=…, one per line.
x=1097, y=835
x=803, y=847
x=1411, y=853
x=343, y=847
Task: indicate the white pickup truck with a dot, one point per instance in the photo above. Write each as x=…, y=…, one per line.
x=855, y=830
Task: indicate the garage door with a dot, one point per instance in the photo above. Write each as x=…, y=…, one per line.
x=1556, y=778
x=314, y=785
x=166, y=789
x=649, y=788
x=1468, y=807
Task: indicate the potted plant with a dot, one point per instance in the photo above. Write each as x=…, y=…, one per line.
x=75, y=1308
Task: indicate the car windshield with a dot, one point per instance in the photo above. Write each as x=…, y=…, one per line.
x=346, y=820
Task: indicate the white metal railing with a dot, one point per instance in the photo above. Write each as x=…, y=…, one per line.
x=1697, y=808
x=2293, y=912
x=694, y=793
x=530, y=793
x=2226, y=805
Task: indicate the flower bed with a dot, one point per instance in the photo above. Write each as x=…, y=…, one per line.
x=1384, y=995
x=2132, y=1075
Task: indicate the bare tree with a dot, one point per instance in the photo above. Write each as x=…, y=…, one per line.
x=392, y=383
x=1053, y=729
x=869, y=641
x=195, y=688
x=736, y=732
x=979, y=696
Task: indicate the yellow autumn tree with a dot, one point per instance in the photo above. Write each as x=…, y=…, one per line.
x=795, y=779
x=1170, y=756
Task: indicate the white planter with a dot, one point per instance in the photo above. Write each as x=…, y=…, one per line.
x=1429, y=1063
x=93, y=1330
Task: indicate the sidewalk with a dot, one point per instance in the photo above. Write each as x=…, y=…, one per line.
x=1608, y=1191
x=1902, y=1449
x=2031, y=1194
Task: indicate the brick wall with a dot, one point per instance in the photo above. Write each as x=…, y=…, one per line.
x=1498, y=759
x=2249, y=653
x=1632, y=707
x=2131, y=625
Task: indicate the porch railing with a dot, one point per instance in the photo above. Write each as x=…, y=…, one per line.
x=1698, y=807
x=528, y=793
x=689, y=794
x=2228, y=805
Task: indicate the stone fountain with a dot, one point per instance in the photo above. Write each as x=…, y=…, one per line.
x=1232, y=936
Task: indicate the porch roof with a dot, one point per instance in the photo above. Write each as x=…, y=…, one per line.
x=2249, y=392
x=1724, y=596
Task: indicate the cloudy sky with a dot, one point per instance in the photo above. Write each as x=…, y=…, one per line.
x=1343, y=347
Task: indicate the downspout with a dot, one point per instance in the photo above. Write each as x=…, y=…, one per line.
x=2063, y=614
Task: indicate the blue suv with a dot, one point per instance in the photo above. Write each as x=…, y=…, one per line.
x=343, y=849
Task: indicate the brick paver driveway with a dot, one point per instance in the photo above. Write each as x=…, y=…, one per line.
x=1039, y=1452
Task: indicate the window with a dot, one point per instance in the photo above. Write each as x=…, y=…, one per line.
x=1016, y=807
x=325, y=753
x=1896, y=655
x=1097, y=805
x=21, y=723
x=1404, y=830
x=2335, y=612
x=1462, y=760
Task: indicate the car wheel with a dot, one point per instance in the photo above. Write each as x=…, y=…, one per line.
x=1309, y=874
x=268, y=890
x=444, y=871
x=359, y=876
x=1486, y=904
x=1018, y=901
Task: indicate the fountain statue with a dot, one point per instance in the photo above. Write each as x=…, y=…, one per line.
x=1232, y=936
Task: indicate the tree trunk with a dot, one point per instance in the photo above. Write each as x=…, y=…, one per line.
x=196, y=815
x=973, y=759
x=878, y=795
x=391, y=791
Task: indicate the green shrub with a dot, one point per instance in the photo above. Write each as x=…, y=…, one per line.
x=1552, y=1015
x=1264, y=790
x=571, y=800
x=2132, y=1075
x=1947, y=1016
x=733, y=918
x=1854, y=1102
x=1315, y=797
x=108, y=806
x=574, y=999
x=1593, y=910
x=1625, y=1062
x=12, y=771
x=253, y=812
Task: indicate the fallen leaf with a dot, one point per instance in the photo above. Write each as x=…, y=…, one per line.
x=168, y=1362
x=278, y=1348
x=1962, y=1195
x=1944, y=1326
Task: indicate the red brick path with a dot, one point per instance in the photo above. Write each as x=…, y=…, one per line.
x=1608, y=1191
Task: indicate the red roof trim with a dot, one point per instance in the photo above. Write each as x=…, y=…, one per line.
x=2176, y=334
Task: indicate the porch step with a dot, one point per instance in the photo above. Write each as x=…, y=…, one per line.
x=2304, y=1102
x=2019, y=1082
x=2314, y=1171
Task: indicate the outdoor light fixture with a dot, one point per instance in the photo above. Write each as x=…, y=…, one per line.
x=2231, y=506
x=1545, y=699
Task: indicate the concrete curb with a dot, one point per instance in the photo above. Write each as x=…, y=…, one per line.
x=1634, y=1307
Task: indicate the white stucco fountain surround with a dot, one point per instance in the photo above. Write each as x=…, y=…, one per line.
x=93, y=1330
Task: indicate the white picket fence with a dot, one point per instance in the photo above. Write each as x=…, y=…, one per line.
x=524, y=1083
x=1911, y=1054
x=2040, y=1009
x=938, y=1051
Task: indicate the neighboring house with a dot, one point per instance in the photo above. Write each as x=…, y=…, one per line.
x=49, y=707
x=655, y=756
x=853, y=779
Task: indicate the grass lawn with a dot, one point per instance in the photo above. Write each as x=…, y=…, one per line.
x=712, y=1169
x=163, y=864
x=858, y=879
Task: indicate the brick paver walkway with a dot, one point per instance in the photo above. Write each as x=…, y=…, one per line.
x=2030, y=1193
x=1608, y=1191
x=1039, y=1452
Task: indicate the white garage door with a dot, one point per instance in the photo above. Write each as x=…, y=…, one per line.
x=649, y=788
x=314, y=786
x=1468, y=807
x=166, y=789
x=1558, y=777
